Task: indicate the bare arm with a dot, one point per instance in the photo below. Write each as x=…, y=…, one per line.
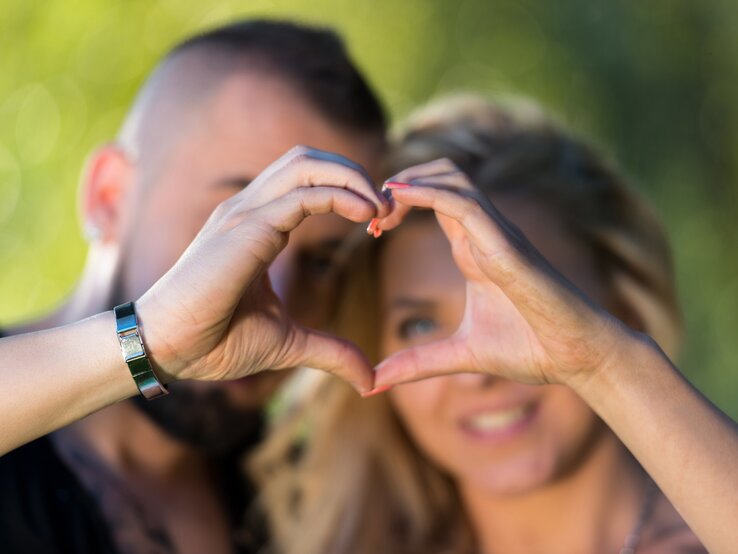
x=51, y=378
x=213, y=316
x=687, y=445
x=553, y=334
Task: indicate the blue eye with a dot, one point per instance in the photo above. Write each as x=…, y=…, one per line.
x=416, y=327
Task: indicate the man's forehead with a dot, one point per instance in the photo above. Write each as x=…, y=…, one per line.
x=267, y=103
x=269, y=113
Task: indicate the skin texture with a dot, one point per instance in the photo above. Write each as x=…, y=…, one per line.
x=548, y=331
x=561, y=481
x=424, y=301
x=553, y=334
x=154, y=488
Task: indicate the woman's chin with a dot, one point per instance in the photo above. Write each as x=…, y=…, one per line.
x=511, y=478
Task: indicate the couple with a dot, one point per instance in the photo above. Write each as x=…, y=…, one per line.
x=189, y=215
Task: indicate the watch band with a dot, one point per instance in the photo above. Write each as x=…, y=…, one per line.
x=134, y=352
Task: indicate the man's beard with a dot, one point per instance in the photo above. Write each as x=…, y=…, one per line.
x=204, y=419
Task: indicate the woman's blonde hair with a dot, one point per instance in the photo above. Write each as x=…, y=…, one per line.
x=339, y=475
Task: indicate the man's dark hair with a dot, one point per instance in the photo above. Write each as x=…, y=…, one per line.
x=312, y=59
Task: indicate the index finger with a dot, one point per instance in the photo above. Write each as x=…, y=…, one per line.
x=310, y=167
x=452, y=180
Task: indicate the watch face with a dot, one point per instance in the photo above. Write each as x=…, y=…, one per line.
x=132, y=346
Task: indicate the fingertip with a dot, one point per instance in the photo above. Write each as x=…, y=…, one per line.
x=375, y=391
x=393, y=185
x=383, y=377
x=384, y=209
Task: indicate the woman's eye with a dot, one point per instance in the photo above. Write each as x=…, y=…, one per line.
x=416, y=327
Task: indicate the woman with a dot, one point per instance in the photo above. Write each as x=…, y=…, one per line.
x=478, y=457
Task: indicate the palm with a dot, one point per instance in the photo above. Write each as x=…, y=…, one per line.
x=214, y=314
x=523, y=320
x=226, y=332
x=495, y=336
x=259, y=335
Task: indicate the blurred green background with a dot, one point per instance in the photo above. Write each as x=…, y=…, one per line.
x=655, y=83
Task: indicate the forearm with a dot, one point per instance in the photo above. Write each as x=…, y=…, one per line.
x=51, y=378
x=687, y=445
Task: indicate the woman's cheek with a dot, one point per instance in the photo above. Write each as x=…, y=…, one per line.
x=421, y=407
x=568, y=425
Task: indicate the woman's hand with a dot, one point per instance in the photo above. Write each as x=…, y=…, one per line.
x=523, y=320
x=214, y=315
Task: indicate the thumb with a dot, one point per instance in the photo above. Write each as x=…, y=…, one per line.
x=420, y=362
x=336, y=356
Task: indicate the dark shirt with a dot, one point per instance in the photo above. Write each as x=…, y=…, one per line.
x=45, y=509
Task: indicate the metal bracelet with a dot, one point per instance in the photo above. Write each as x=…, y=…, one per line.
x=134, y=352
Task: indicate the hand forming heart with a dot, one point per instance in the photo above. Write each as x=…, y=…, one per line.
x=523, y=320
x=214, y=315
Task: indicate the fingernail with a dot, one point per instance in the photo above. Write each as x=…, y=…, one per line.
x=375, y=391
x=372, y=227
x=392, y=185
x=377, y=233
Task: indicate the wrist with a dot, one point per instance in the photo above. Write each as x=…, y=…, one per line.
x=160, y=353
x=630, y=354
x=130, y=337
x=104, y=354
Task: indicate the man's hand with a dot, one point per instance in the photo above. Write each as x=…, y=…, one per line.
x=214, y=315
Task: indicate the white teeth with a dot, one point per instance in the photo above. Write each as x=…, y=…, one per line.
x=491, y=421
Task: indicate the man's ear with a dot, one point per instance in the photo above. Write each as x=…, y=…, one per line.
x=106, y=185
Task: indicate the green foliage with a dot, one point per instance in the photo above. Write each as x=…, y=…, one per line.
x=653, y=82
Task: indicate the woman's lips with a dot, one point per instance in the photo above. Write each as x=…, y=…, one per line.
x=492, y=426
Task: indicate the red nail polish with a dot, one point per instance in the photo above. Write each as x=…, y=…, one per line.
x=371, y=229
x=377, y=390
x=392, y=185
x=377, y=233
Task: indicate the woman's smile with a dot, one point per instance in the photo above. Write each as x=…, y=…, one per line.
x=495, y=425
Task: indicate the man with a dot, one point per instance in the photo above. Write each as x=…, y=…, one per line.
x=162, y=476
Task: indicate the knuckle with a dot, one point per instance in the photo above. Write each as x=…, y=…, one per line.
x=402, y=176
x=470, y=206
x=222, y=209
x=265, y=239
x=447, y=164
x=298, y=150
x=308, y=200
x=300, y=159
x=298, y=155
x=226, y=215
x=300, y=195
